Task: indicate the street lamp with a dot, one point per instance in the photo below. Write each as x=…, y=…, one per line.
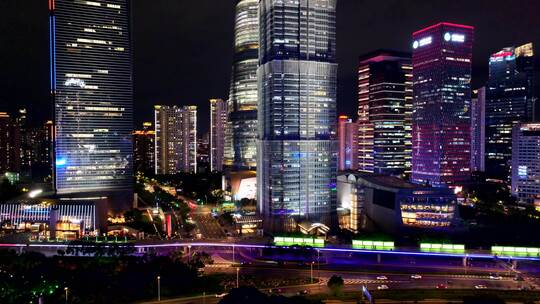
x=237, y=277
x=159, y=289
x=66, y=290
x=311, y=270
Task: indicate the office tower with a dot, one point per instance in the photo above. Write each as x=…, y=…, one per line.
x=203, y=150
x=297, y=150
x=348, y=144
x=242, y=135
x=509, y=100
x=384, y=112
x=218, y=123
x=91, y=83
x=24, y=150
x=144, y=148
x=442, y=56
x=526, y=163
x=176, y=139
x=478, y=130
x=10, y=148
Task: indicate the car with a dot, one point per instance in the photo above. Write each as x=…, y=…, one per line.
x=382, y=278
x=303, y=292
x=416, y=276
x=495, y=277
x=441, y=286
x=519, y=278
x=480, y=287
x=275, y=290
x=382, y=287
x=221, y=295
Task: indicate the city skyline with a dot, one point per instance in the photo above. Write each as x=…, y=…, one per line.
x=352, y=20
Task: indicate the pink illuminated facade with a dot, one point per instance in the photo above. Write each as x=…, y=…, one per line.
x=442, y=59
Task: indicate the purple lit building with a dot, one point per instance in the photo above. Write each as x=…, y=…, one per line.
x=442, y=56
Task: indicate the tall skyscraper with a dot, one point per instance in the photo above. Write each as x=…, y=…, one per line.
x=176, y=139
x=384, y=112
x=144, y=148
x=297, y=149
x=92, y=84
x=526, y=163
x=242, y=135
x=10, y=144
x=509, y=100
x=478, y=131
x=218, y=124
x=348, y=144
x=442, y=56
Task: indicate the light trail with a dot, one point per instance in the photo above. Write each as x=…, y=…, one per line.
x=323, y=249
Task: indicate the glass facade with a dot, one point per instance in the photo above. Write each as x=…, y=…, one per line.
x=384, y=112
x=218, y=123
x=176, y=139
x=525, y=163
x=509, y=100
x=91, y=82
x=242, y=136
x=297, y=149
x=442, y=58
x=478, y=131
x=348, y=144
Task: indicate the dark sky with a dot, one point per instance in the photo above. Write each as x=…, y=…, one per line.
x=183, y=48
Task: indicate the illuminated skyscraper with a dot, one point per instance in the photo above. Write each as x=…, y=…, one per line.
x=176, y=139
x=242, y=134
x=218, y=123
x=509, y=100
x=297, y=152
x=384, y=112
x=144, y=148
x=526, y=163
x=442, y=56
x=348, y=144
x=91, y=82
x=478, y=131
x=6, y=150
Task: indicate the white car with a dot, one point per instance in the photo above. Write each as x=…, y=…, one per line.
x=221, y=295
x=495, y=277
x=382, y=278
x=382, y=287
x=416, y=277
x=480, y=287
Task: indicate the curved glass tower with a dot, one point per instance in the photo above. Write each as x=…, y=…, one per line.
x=297, y=155
x=243, y=93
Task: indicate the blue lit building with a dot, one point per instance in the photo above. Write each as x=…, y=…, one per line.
x=509, y=101
x=441, y=143
x=241, y=153
x=91, y=84
x=297, y=149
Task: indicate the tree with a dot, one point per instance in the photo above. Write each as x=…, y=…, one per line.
x=245, y=295
x=335, y=284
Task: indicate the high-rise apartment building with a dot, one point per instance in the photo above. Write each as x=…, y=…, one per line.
x=348, y=144
x=297, y=150
x=509, y=100
x=442, y=56
x=176, y=139
x=92, y=87
x=10, y=144
x=384, y=112
x=241, y=141
x=144, y=148
x=478, y=130
x=218, y=124
x=525, y=163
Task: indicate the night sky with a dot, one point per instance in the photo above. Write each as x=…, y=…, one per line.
x=183, y=48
